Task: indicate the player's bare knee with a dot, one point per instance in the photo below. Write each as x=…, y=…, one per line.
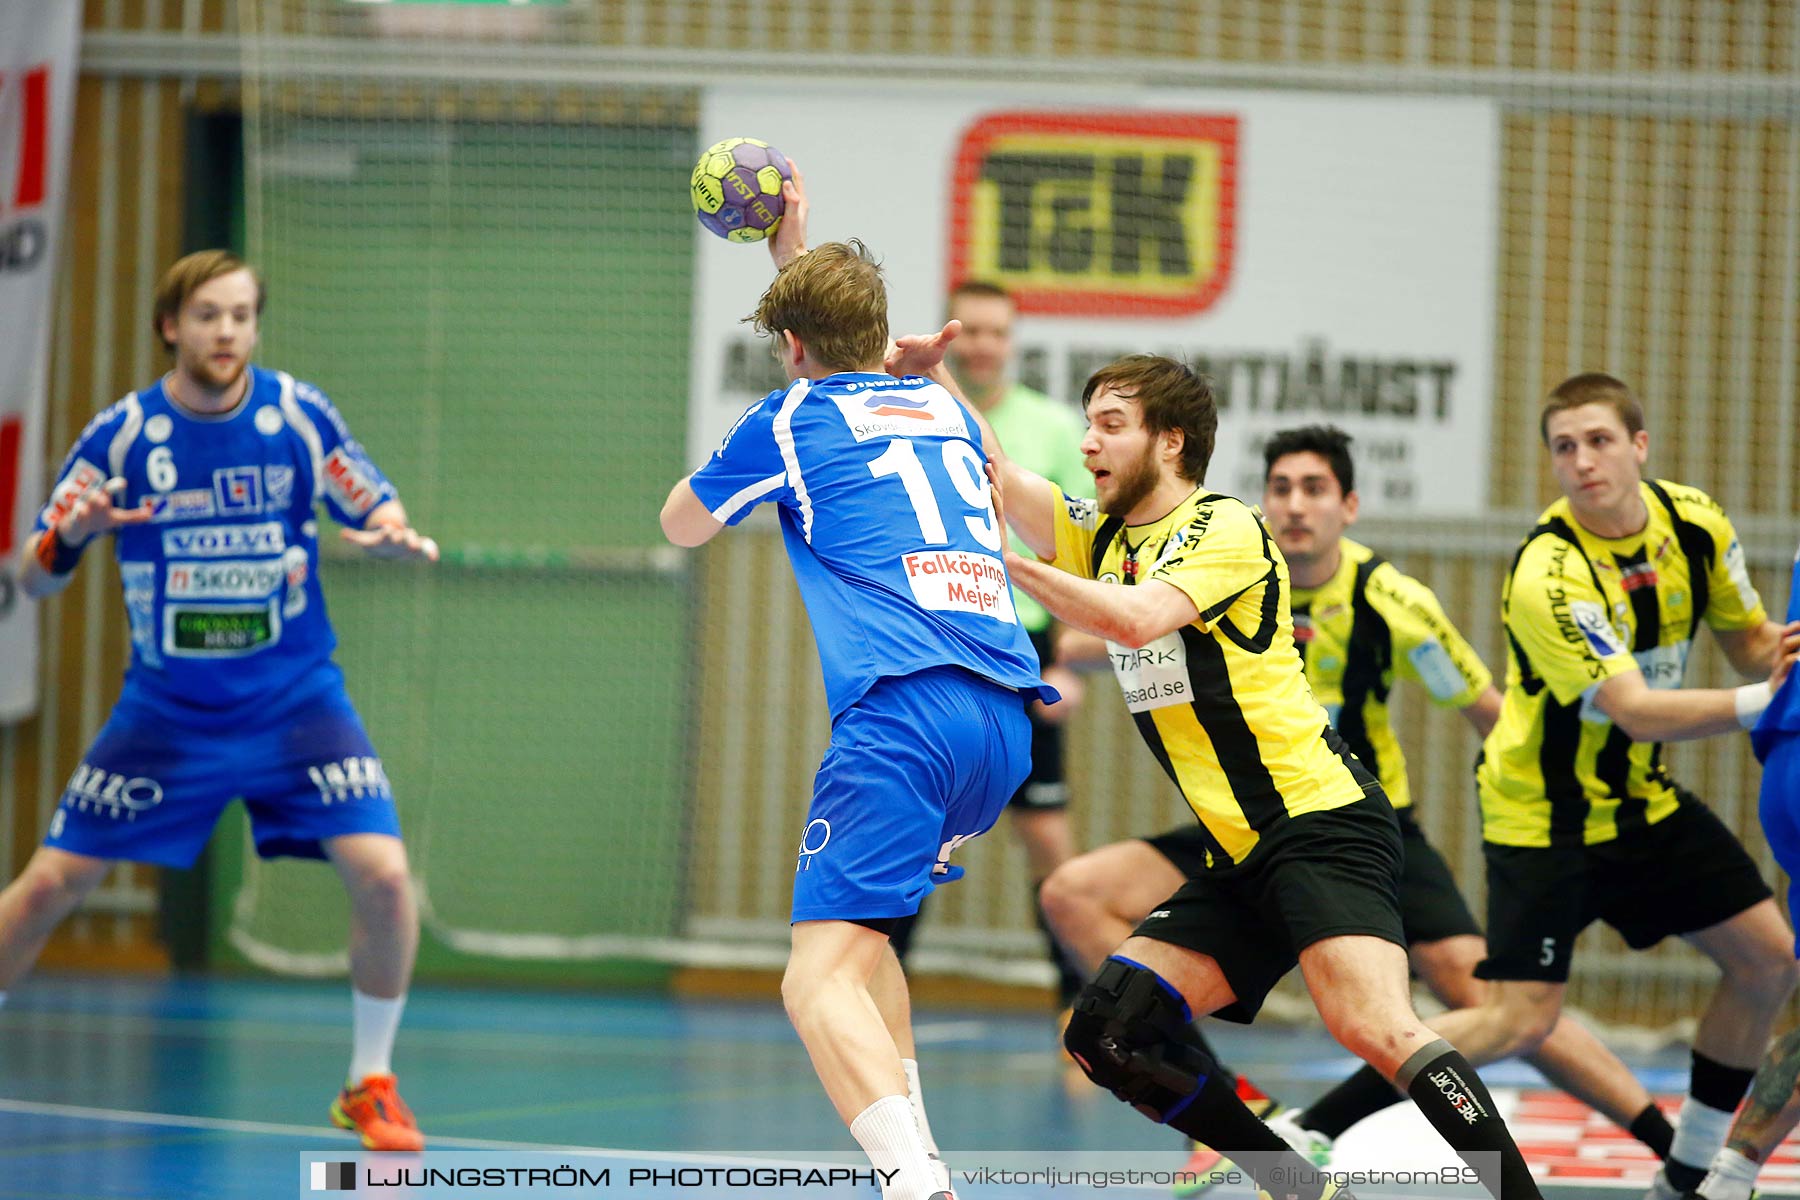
x=1066, y=894
x=1448, y=969
x=1530, y=1033
x=50, y=889
x=1457, y=989
x=801, y=988
x=1768, y=978
x=41, y=894
x=1522, y=1023
x=384, y=891
x=1369, y=1037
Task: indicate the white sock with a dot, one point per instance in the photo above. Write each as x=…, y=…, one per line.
x=890, y=1137
x=374, y=1022
x=1699, y=1133
x=911, y=1067
x=1730, y=1178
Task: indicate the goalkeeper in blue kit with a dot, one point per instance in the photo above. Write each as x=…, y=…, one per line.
x=207, y=482
x=883, y=501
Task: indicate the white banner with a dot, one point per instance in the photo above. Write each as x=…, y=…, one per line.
x=37, y=97
x=1323, y=258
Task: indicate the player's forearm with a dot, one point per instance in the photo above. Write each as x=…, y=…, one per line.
x=1079, y=650
x=1751, y=652
x=1483, y=713
x=1106, y=610
x=34, y=580
x=1680, y=715
x=685, y=519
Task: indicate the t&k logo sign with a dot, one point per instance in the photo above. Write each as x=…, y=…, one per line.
x=1119, y=214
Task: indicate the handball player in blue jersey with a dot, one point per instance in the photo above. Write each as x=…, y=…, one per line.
x=880, y=487
x=1772, y=1107
x=206, y=483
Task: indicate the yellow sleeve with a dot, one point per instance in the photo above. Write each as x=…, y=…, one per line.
x=1428, y=649
x=1215, y=558
x=1558, y=617
x=1076, y=522
x=1732, y=599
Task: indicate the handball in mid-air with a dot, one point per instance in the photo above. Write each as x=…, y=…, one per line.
x=737, y=189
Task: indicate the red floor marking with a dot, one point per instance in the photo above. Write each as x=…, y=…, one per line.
x=1564, y=1139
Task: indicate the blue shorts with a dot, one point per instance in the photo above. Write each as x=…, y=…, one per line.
x=152, y=786
x=1779, y=808
x=917, y=766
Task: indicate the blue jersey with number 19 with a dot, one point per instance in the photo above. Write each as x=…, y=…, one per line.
x=884, y=506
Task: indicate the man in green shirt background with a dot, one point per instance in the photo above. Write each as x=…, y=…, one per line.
x=1045, y=436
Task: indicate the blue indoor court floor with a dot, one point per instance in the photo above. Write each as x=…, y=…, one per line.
x=204, y=1087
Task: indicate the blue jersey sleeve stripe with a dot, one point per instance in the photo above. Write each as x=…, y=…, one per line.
x=747, y=496
x=790, y=456
x=309, y=433
x=127, y=434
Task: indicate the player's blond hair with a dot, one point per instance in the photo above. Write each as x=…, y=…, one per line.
x=832, y=299
x=1592, y=388
x=188, y=275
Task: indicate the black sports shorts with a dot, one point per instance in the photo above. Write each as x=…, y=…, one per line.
x=1685, y=873
x=1432, y=907
x=1315, y=876
x=1046, y=789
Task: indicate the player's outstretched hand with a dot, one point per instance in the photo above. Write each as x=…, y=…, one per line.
x=1785, y=652
x=920, y=353
x=789, y=241
x=93, y=514
x=392, y=541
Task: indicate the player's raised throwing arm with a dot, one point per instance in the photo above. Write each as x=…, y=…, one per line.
x=1030, y=498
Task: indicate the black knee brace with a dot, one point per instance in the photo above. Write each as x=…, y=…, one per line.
x=1134, y=1036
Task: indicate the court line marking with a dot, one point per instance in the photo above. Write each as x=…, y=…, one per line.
x=120, y=1116
x=935, y=1032
x=228, y=1028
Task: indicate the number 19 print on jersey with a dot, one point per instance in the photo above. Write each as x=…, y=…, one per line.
x=887, y=515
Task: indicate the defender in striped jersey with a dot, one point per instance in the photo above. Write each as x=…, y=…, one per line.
x=1361, y=626
x=1301, y=854
x=1580, y=819
x=218, y=470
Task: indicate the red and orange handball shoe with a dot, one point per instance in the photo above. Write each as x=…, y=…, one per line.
x=374, y=1109
x=1259, y=1102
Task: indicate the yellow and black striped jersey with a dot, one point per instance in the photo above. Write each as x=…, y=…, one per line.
x=1580, y=609
x=1365, y=627
x=1222, y=703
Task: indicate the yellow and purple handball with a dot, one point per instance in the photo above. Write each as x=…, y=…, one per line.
x=737, y=189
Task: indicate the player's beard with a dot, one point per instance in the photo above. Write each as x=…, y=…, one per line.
x=214, y=379
x=1132, y=485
